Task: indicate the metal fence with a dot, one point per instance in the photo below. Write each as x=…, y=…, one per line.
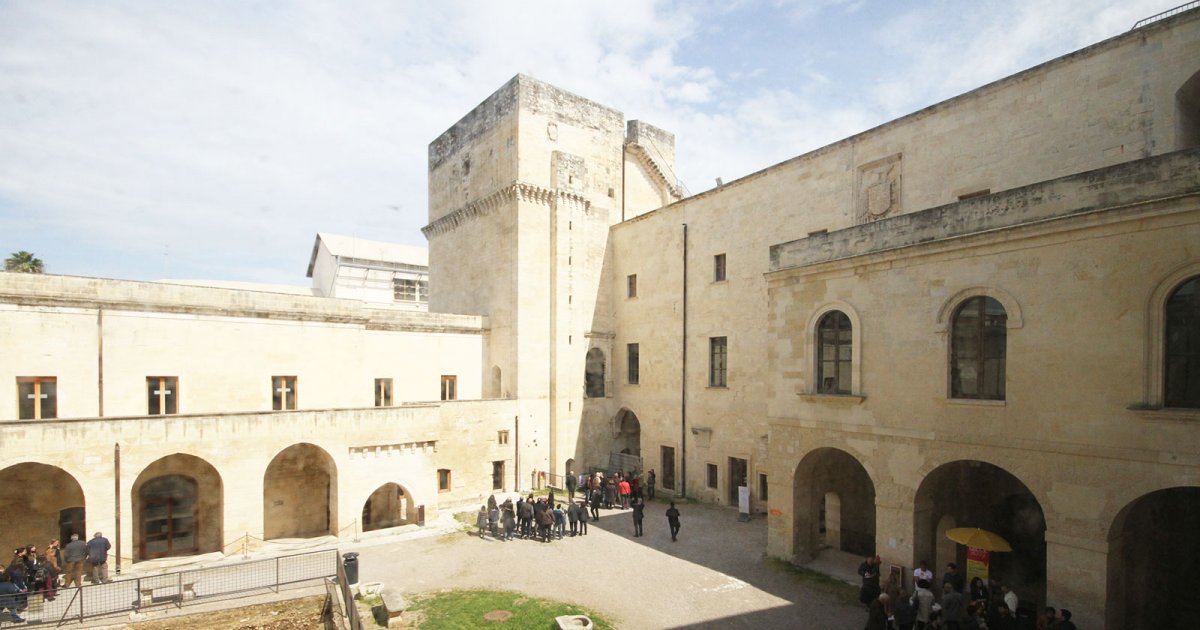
x=178, y=589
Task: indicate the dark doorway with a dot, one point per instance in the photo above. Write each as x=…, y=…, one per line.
x=71, y=521
x=737, y=477
x=168, y=517
x=834, y=500
x=667, y=474
x=1152, y=547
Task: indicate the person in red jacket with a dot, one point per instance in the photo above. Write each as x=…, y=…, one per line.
x=623, y=490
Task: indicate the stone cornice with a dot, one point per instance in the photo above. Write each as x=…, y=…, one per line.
x=651, y=165
x=519, y=191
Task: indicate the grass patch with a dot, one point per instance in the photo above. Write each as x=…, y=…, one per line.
x=845, y=593
x=466, y=609
x=466, y=518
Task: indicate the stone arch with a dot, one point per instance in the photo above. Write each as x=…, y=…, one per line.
x=390, y=505
x=300, y=493
x=1150, y=581
x=980, y=494
x=1187, y=114
x=177, y=503
x=1012, y=308
x=627, y=433
x=41, y=502
x=812, y=341
x=1155, y=334
x=594, y=374
x=831, y=471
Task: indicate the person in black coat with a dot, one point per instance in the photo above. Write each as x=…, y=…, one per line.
x=572, y=483
x=673, y=521
x=583, y=516
x=573, y=517
x=639, y=511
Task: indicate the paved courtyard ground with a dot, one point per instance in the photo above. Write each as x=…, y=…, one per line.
x=715, y=577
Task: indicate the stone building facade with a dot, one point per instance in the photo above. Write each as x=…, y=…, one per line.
x=980, y=314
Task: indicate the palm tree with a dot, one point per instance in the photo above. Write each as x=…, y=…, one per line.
x=23, y=262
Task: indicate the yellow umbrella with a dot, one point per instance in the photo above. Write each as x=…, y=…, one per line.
x=978, y=538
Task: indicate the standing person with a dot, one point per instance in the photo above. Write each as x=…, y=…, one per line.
x=673, y=521
x=624, y=489
x=905, y=611
x=1064, y=620
x=954, y=609
x=596, y=504
x=10, y=597
x=494, y=519
x=54, y=563
x=877, y=614
x=650, y=479
x=573, y=517
x=922, y=572
x=560, y=521
x=583, y=516
x=869, y=572
x=73, y=556
x=571, y=485
x=639, y=512
x=510, y=522
x=1010, y=599
x=481, y=520
x=923, y=602
x=97, y=558
x=954, y=578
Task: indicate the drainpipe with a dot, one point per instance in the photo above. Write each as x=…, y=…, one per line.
x=517, y=453
x=117, y=499
x=683, y=379
x=100, y=363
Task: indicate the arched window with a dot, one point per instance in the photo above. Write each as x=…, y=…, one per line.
x=593, y=375
x=1181, y=385
x=835, y=346
x=978, y=346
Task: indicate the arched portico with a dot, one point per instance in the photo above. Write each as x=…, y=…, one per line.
x=390, y=505
x=40, y=502
x=178, y=508
x=834, y=504
x=628, y=433
x=300, y=493
x=970, y=493
x=1152, y=580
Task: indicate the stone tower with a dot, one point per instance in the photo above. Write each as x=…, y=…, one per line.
x=522, y=192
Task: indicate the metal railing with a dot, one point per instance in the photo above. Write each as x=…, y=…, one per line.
x=1166, y=14
x=79, y=604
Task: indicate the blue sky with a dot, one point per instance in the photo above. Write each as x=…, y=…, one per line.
x=182, y=139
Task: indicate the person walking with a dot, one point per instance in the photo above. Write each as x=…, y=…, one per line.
x=673, y=521
x=73, y=556
x=97, y=558
x=639, y=512
x=597, y=497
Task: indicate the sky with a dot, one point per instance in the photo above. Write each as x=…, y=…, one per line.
x=213, y=139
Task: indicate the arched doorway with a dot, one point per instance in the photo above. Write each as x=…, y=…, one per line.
x=628, y=438
x=177, y=504
x=300, y=494
x=1152, y=547
x=389, y=506
x=40, y=502
x=972, y=493
x=834, y=504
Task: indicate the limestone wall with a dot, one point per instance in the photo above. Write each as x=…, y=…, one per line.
x=101, y=339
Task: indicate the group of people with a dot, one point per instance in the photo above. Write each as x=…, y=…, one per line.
x=545, y=519
x=981, y=606
x=34, y=572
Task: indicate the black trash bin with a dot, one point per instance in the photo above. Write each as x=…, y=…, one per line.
x=351, y=565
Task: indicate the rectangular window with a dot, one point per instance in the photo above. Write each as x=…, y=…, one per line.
x=762, y=487
x=634, y=370
x=632, y=285
x=283, y=392
x=719, y=268
x=449, y=387
x=443, y=480
x=37, y=397
x=711, y=477
x=667, y=453
x=498, y=475
x=383, y=392
x=502, y=437
x=718, y=356
x=162, y=394
x=404, y=290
